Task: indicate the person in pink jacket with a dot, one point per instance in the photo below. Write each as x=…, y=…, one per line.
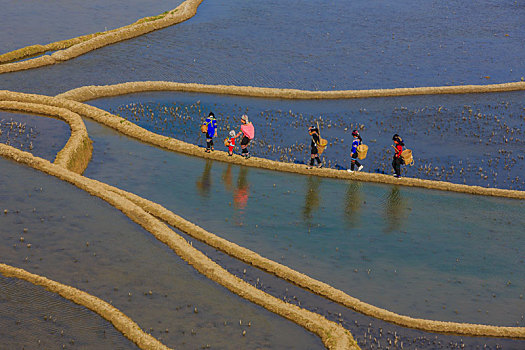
x=247, y=132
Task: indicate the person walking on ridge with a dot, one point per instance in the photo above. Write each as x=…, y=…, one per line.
x=314, y=151
x=211, y=132
x=398, y=160
x=248, y=133
x=355, y=143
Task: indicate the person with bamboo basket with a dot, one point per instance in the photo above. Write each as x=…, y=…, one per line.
x=314, y=147
x=354, y=152
x=398, y=159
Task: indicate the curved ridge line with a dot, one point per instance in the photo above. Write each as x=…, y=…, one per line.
x=85, y=93
x=75, y=47
x=320, y=288
x=120, y=321
x=333, y=335
x=77, y=152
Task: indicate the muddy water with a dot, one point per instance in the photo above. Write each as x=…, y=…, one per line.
x=308, y=45
x=42, y=136
x=421, y=253
x=467, y=139
x=81, y=241
x=52, y=321
x=36, y=22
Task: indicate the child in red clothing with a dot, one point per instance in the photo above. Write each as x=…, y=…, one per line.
x=231, y=145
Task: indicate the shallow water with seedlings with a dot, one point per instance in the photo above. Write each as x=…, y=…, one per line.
x=56, y=230
x=381, y=244
x=42, y=136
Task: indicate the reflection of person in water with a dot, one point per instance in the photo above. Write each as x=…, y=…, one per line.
x=312, y=200
x=227, y=177
x=394, y=209
x=352, y=202
x=204, y=183
x=242, y=192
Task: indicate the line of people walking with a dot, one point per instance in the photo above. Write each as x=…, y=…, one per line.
x=317, y=145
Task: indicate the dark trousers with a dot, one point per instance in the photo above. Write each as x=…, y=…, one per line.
x=396, y=164
x=314, y=155
x=354, y=161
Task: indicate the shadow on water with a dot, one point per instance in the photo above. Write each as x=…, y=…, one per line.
x=240, y=193
x=352, y=203
x=394, y=210
x=203, y=184
x=311, y=200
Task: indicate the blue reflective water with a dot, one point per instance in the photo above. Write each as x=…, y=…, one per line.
x=56, y=230
x=311, y=45
x=417, y=252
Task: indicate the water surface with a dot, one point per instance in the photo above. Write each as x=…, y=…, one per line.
x=422, y=253
x=56, y=230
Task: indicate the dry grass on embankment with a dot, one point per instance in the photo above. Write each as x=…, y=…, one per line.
x=71, y=48
x=86, y=93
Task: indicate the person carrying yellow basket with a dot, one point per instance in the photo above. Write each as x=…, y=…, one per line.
x=354, y=152
x=398, y=159
x=314, y=150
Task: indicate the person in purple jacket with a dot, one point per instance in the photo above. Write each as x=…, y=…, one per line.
x=355, y=143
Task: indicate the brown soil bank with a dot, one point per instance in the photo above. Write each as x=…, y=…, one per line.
x=71, y=48
x=76, y=154
x=121, y=322
x=130, y=129
x=333, y=335
x=91, y=92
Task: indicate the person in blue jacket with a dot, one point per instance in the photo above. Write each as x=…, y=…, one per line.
x=355, y=143
x=211, y=123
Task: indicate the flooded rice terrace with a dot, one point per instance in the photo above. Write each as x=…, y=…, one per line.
x=56, y=230
x=426, y=254
x=459, y=261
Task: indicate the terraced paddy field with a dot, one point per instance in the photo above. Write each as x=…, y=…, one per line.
x=56, y=230
x=202, y=253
